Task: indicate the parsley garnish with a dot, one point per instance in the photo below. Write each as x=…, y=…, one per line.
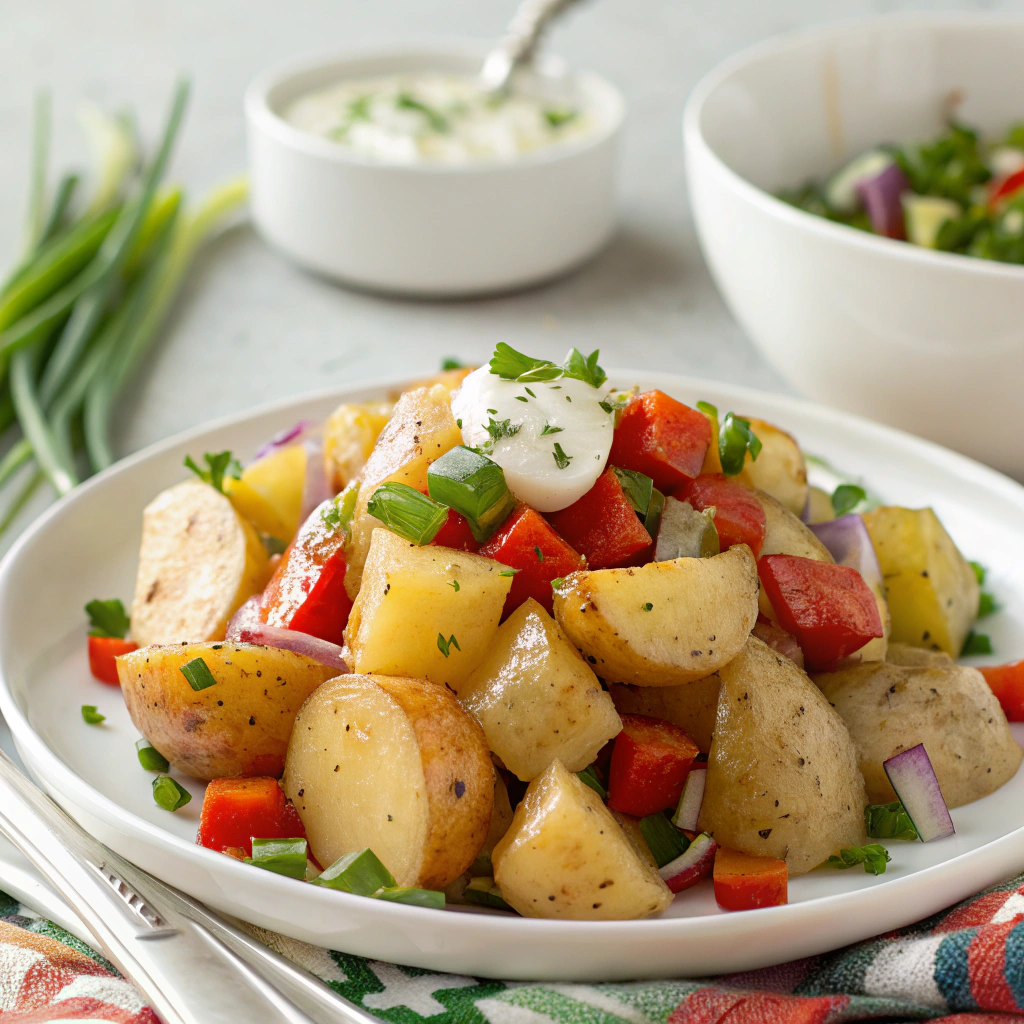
x=873, y=856
x=540, y=554
x=561, y=459
x=979, y=572
x=509, y=572
x=986, y=605
x=846, y=497
x=557, y=582
x=509, y=364
x=338, y=515
x=107, y=618
x=454, y=584
x=548, y=429
x=976, y=643
x=452, y=364
x=735, y=439
x=444, y=646
x=437, y=121
x=646, y=606
x=558, y=116
x=498, y=429
x=218, y=466
x=529, y=392
x=888, y=821
x=521, y=398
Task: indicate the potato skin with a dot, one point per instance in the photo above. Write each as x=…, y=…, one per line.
x=240, y=726
x=780, y=469
x=782, y=774
x=701, y=612
x=785, y=534
x=691, y=706
x=949, y=708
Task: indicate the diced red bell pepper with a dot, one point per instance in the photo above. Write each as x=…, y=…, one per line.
x=456, y=533
x=778, y=640
x=603, y=526
x=235, y=811
x=828, y=608
x=744, y=882
x=102, y=652
x=661, y=438
x=1007, y=683
x=526, y=541
x=1004, y=188
x=307, y=591
x=650, y=761
x=739, y=517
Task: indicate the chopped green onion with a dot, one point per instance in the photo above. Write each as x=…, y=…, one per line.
x=888, y=821
x=474, y=486
x=561, y=459
x=735, y=439
x=558, y=116
x=445, y=646
x=414, y=897
x=198, y=674
x=557, y=582
x=452, y=364
x=338, y=515
x=589, y=778
x=107, y=618
x=91, y=715
x=282, y=856
x=846, y=497
x=169, y=794
x=149, y=757
x=665, y=841
x=484, y=893
x=437, y=121
x=361, y=874
x=976, y=643
x=637, y=487
x=979, y=572
x=652, y=519
x=218, y=466
x=873, y=856
x=509, y=572
x=709, y=410
x=407, y=512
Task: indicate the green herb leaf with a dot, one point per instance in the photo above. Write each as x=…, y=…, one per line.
x=509, y=572
x=665, y=841
x=709, y=410
x=986, y=605
x=735, y=439
x=108, y=618
x=474, y=486
x=509, y=364
x=499, y=429
x=414, y=897
x=91, y=715
x=407, y=512
x=873, y=857
x=219, y=465
x=846, y=497
x=637, y=487
x=557, y=582
x=585, y=368
x=888, y=821
x=646, y=606
x=558, y=116
x=198, y=674
x=437, y=121
x=282, y=856
x=561, y=459
x=652, y=519
x=537, y=551
x=976, y=643
x=169, y=794
x=548, y=429
x=338, y=515
x=979, y=572
x=445, y=646
x=274, y=545
x=589, y=777
x=454, y=584
x=452, y=364
x=361, y=874
x=149, y=757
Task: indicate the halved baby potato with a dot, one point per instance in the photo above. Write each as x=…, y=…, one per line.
x=691, y=706
x=199, y=561
x=663, y=623
x=786, y=534
x=395, y=765
x=779, y=469
x=565, y=856
x=238, y=726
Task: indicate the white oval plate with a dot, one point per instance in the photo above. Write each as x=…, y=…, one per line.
x=86, y=547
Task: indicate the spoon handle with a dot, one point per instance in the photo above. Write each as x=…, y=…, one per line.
x=520, y=41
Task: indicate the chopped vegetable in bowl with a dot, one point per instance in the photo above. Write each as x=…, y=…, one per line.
x=956, y=193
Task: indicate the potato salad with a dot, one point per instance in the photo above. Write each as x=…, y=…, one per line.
x=520, y=639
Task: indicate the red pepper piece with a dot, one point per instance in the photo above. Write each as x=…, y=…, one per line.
x=517, y=543
x=1007, y=683
x=235, y=811
x=650, y=761
x=102, y=652
x=1005, y=187
x=456, y=533
x=603, y=526
x=743, y=882
x=662, y=438
x=307, y=591
x=778, y=640
x=828, y=608
x=739, y=517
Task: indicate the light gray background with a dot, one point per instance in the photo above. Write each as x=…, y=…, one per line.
x=250, y=327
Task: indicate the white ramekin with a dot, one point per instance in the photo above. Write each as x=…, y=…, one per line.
x=431, y=230
x=928, y=341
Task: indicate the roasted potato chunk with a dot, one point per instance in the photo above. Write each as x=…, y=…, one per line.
x=782, y=774
x=565, y=856
x=779, y=469
x=395, y=765
x=691, y=706
x=199, y=561
x=949, y=708
x=663, y=623
x=785, y=534
x=350, y=433
x=240, y=725
x=537, y=699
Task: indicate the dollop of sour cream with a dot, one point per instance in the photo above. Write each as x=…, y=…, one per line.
x=431, y=117
x=551, y=438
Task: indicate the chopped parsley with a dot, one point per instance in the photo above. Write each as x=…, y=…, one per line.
x=540, y=554
x=986, y=605
x=454, y=584
x=976, y=643
x=979, y=572
x=509, y=364
x=557, y=582
x=548, y=429
x=509, y=572
x=437, y=121
x=445, y=646
x=338, y=515
x=499, y=429
x=219, y=465
x=91, y=715
x=888, y=821
x=735, y=439
x=873, y=856
x=452, y=364
x=559, y=116
x=107, y=618
x=846, y=497
x=646, y=606
x=561, y=459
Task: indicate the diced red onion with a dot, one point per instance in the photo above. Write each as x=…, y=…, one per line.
x=689, y=803
x=317, y=489
x=246, y=627
x=690, y=867
x=849, y=543
x=880, y=195
x=911, y=775
x=285, y=438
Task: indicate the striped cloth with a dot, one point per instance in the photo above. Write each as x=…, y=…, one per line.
x=962, y=966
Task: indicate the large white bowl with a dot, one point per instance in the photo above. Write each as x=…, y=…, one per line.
x=931, y=342
x=430, y=229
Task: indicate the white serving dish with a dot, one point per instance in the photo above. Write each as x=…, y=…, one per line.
x=86, y=546
x=430, y=229
x=930, y=342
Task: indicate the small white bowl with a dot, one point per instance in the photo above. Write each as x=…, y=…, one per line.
x=928, y=341
x=430, y=229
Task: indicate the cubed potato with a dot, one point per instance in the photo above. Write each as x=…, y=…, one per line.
x=408, y=610
x=350, y=433
x=537, y=699
x=782, y=774
x=238, y=726
x=663, y=623
x=949, y=708
x=420, y=431
x=270, y=490
x=566, y=857
x=779, y=469
x=691, y=706
x=395, y=765
x=198, y=563
x=930, y=587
